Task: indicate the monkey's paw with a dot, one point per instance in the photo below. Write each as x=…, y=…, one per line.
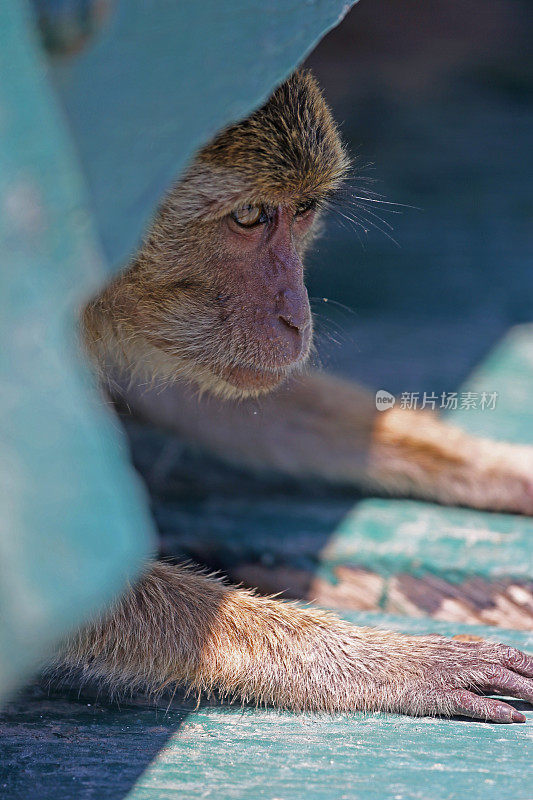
x=456, y=675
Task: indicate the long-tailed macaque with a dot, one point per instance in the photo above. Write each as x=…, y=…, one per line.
x=216, y=300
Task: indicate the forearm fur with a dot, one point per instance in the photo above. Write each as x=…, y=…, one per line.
x=323, y=427
x=180, y=627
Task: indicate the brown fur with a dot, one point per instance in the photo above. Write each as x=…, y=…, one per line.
x=226, y=309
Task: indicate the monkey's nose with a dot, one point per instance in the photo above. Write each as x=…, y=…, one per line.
x=293, y=310
x=288, y=321
x=293, y=333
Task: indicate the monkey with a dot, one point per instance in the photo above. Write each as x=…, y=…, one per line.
x=215, y=299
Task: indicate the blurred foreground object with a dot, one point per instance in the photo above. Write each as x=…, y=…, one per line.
x=90, y=137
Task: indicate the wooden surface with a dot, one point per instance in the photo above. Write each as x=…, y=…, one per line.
x=76, y=748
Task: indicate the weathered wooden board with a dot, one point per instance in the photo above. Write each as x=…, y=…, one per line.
x=78, y=749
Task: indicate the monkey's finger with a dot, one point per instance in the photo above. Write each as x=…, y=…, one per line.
x=503, y=681
x=516, y=660
x=472, y=705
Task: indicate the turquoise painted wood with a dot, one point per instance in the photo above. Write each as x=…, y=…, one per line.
x=508, y=370
x=391, y=536
x=79, y=749
x=87, y=145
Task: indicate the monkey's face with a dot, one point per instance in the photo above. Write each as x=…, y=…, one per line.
x=233, y=312
x=216, y=294
x=263, y=299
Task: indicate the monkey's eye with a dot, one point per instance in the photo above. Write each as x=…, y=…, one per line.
x=305, y=207
x=249, y=215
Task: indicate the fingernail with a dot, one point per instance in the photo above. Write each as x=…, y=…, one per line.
x=516, y=716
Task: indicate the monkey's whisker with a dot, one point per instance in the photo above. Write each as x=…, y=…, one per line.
x=336, y=303
x=361, y=204
x=363, y=221
x=348, y=227
x=385, y=202
x=372, y=214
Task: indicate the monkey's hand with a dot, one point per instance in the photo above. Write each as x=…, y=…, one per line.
x=177, y=626
x=439, y=676
x=344, y=668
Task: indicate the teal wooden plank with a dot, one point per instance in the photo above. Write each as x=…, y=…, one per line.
x=390, y=536
x=508, y=370
x=79, y=749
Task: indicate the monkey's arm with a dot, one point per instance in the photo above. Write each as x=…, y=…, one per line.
x=178, y=627
x=329, y=428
